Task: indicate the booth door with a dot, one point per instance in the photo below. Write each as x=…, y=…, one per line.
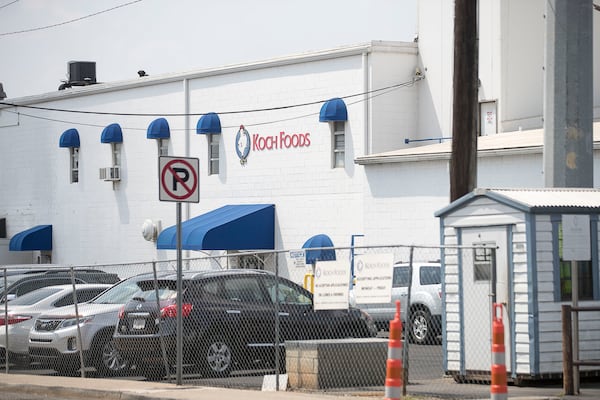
x=477, y=278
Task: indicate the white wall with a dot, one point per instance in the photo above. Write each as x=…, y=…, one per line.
x=96, y=222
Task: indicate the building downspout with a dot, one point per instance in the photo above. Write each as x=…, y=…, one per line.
x=187, y=133
x=367, y=103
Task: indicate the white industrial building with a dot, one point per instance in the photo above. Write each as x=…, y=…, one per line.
x=377, y=166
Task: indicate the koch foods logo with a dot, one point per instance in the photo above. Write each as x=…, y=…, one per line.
x=242, y=144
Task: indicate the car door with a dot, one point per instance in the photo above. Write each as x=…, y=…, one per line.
x=400, y=282
x=297, y=318
x=240, y=312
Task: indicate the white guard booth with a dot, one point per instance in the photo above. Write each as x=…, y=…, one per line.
x=531, y=277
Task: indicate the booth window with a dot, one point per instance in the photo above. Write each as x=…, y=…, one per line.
x=213, y=154
x=482, y=262
x=339, y=144
x=584, y=270
x=74, y=164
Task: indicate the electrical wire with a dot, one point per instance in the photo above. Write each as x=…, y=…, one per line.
x=409, y=83
x=8, y=4
x=69, y=21
x=370, y=95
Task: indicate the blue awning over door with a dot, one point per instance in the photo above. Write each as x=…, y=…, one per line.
x=231, y=227
x=36, y=238
x=317, y=242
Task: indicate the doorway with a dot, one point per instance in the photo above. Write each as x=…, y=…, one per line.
x=479, y=273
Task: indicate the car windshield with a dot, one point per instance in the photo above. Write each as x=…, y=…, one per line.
x=128, y=289
x=167, y=290
x=34, y=297
x=121, y=293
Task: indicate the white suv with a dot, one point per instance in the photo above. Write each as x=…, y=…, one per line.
x=53, y=338
x=425, y=301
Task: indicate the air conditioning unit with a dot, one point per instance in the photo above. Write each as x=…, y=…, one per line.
x=110, y=173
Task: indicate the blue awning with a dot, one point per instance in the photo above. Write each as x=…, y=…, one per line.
x=69, y=138
x=112, y=134
x=333, y=110
x=36, y=238
x=158, y=129
x=208, y=124
x=319, y=254
x=231, y=227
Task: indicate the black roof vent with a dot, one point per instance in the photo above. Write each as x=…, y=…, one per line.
x=81, y=73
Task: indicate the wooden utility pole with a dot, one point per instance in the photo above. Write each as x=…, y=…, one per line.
x=463, y=161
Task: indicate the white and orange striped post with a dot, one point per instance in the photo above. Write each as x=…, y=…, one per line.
x=393, y=378
x=498, y=389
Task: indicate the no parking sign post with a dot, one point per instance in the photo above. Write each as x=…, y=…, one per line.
x=178, y=182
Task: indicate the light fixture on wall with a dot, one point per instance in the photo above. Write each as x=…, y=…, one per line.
x=150, y=230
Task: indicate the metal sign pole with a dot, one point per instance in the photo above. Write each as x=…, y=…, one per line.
x=179, y=300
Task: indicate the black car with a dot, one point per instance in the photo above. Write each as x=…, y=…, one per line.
x=228, y=321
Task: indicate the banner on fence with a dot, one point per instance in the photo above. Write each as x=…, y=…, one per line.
x=331, y=285
x=373, y=274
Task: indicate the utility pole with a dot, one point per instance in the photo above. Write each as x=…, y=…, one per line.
x=463, y=161
x=568, y=106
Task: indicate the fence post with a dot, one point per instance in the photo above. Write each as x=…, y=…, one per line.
x=567, y=348
x=393, y=378
x=5, y=312
x=499, y=389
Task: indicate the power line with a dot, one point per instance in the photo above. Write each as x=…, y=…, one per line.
x=371, y=94
x=8, y=4
x=408, y=83
x=66, y=22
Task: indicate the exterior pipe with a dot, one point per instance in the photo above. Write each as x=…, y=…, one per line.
x=367, y=108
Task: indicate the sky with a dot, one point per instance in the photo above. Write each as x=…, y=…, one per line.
x=39, y=37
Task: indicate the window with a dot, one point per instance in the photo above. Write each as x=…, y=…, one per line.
x=74, y=164
x=213, y=154
x=163, y=147
x=401, y=277
x=585, y=274
x=430, y=275
x=246, y=290
x=116, y=154
x=339, y=144
x=287, y=293
x=482, y=262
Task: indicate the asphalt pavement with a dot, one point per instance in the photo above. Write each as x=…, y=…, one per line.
x=127, y=389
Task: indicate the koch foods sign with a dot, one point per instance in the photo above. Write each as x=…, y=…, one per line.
x=281, y=141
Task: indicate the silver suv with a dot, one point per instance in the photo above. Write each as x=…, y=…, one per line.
x=53, y=338
x=425, y=301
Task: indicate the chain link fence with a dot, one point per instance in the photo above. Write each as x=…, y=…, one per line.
x=321, y=315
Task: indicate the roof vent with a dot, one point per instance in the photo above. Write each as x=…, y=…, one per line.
x=81, y=73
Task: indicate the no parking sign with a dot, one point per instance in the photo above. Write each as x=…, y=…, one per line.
x=178, y=179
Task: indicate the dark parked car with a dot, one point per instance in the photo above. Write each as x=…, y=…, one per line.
x=228, y=321
x=19, y=284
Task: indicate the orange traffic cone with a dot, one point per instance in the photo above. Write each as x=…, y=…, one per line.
x=499, y=389
x=393, y=379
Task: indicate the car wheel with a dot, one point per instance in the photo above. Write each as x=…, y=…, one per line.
x=217, y=357
x=109, y=361
x=420, y=326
